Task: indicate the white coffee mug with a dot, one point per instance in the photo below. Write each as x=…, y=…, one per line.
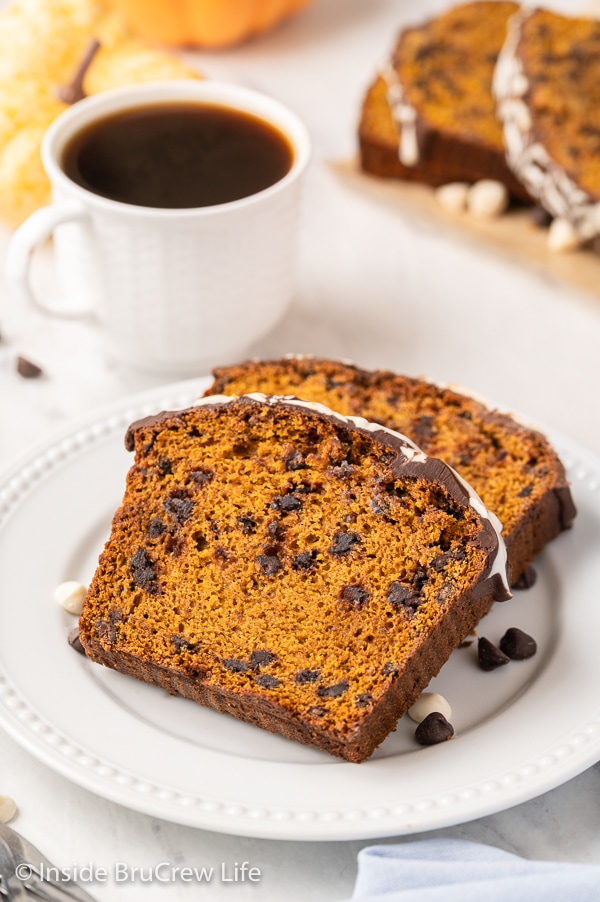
x=176, y=290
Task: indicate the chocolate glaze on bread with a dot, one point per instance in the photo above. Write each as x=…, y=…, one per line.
x=429, y=115
x=513, y=468
x=305, y=572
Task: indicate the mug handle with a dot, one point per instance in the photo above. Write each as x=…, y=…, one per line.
x=29, y=236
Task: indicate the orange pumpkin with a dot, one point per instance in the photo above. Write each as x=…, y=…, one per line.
x=204, y=23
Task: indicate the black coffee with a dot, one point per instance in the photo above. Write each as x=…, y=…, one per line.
x=177, y=155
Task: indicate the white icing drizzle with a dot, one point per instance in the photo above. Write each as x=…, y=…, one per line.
x=410, y=450
x=405, y=118
x=543, y=177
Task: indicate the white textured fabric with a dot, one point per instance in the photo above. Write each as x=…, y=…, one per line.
x=453, y=870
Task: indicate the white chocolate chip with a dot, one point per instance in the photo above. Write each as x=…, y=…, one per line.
x=453, y=196
x=487, y=199
x=70, y=596
x=427, y=704
x=8, y=809
x=562, y=236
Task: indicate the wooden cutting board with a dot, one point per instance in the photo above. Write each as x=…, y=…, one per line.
x=513, y=234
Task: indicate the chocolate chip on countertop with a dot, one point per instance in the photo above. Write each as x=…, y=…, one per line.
x=74, y=640
x=27, y=369
x=435, y=728
x=540, y=216
x=527, y=579
x=489, y=656
x=518, y=645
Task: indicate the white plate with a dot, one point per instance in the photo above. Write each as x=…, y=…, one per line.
x=520, y=730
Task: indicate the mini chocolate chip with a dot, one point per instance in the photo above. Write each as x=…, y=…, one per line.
x=333, y=691
x=174, y=545
x=420, y=578
x=343, y=471
x=165, y=466
x=269, y=564
x=306, y=676
x=401, y=597
x=74, y=640
x=525, y=491
x=389, y=669
x=156, y=528
x=266, y=681
x=305, y=560
x=356, y=596
x=378, y=506
x=179, y=505
x=440, y=562
x=435, y=728
x=540, y=216
x=489, y=656
x=294, y=461
x=181, y=644
x=235, y=665
x=307, y=488
x=518, y=645
x=142, y=569
x=27, y=369
x=247, y=525
x=344, y=543
x=317, y=711
x=286, y=503
x=261, y=658
x=106, y=630
x=364, y=700
x=201, y=477
x=275, y=530
x=527, y=579
x=423, y=428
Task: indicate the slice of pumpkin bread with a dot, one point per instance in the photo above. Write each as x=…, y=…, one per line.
x=513, y=468
x=430, y=115
x=548, y=86
x=305, y=572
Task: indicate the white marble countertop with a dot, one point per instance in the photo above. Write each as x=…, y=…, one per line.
x=385, y=291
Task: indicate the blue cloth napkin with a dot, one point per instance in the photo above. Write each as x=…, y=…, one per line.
x=454, y=870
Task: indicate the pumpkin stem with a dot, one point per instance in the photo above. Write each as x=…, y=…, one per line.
x=73, y=90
